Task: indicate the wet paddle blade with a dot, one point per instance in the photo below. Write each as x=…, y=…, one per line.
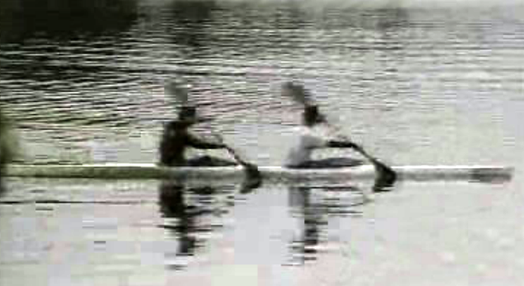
x=386, y=178
x=252, y=180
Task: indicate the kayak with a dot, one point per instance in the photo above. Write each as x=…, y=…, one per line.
x=153, y=171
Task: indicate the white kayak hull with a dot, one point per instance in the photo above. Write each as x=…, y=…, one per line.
x=152, y=171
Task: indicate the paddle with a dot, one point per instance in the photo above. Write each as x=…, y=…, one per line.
x=253, y=175
x=386, y=176
x=180, y=94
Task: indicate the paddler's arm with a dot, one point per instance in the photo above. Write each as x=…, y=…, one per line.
x=341, y=144
x=313, y=141
x=198, y=143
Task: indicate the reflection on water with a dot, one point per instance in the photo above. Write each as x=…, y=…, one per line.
x=314, y=207
x=187, y=211
x=193, y=214
x=94, y=230
x=188, y=208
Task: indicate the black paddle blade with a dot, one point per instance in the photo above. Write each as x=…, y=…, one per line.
x=252, y=180
x=385, y=180
x=252, y=171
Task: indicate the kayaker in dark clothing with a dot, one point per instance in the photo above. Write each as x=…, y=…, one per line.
x=176, y=138
x=7, y=145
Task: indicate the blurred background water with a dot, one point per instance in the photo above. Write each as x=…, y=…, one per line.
x=416, y=82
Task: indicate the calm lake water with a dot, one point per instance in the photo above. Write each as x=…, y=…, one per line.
x=84, y=83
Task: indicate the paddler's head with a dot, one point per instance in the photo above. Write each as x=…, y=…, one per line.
x=188, y=114
x=297, y=92
x=311, y=115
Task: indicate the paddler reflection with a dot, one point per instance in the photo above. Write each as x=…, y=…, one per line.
x=193, y=210
x=313, y=207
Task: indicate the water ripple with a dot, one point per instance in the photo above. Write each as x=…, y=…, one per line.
x=386, y=66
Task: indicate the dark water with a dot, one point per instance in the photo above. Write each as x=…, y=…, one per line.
x=84, y=83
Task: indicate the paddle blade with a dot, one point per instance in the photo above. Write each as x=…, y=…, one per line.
x=178, y=92
x=297, y=93
x=252, y=180
x=386, y=178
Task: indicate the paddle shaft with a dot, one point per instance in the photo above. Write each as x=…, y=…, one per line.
x=231, y=151
x=234, y=154
x=253, y=175
x=358, y=148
